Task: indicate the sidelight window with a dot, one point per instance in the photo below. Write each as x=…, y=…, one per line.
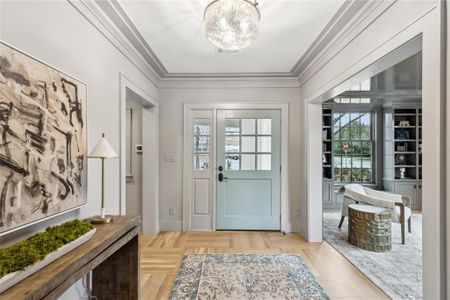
x=201, y=144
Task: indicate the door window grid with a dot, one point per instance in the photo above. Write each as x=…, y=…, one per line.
x=248, y=144
x=353, y=147
x=201, y=143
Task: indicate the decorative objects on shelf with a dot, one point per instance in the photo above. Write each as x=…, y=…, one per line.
x=402, y=147
x=404, y=123
x=327, y=133
x=26, y=257
x=231, y=24
x=400, y=159
x=102, y=150
x=43, y=152
x=402, y=162
x=402, y=134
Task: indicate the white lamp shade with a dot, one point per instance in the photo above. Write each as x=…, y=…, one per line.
x=103, y=150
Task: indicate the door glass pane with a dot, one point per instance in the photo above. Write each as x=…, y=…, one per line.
x=248, y=126
x=264, y=144
x=201, y=127
x=248, y=162
x=232, y=127
x=248, y=144
x=201, y=144
x=232, y=162
x=231, y=144
x=201, y=162
x=264, y=162
x=264, y=126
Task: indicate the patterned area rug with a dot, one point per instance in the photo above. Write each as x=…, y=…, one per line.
x=245, y=276
x=397, y=272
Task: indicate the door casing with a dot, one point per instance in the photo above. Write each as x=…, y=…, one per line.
x=187, y=159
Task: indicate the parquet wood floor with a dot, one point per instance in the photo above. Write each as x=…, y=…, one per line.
x=161, y=257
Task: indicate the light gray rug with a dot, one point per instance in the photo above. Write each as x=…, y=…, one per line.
x=245, y=276
x=397, y=272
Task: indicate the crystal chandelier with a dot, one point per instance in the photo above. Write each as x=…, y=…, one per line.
x=231, y=24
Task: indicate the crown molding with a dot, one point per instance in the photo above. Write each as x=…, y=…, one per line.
x=349, y=21
x=234, y=82
x=94, y=15
x=354, y=18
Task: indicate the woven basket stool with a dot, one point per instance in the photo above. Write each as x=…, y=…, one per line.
x=369, y=227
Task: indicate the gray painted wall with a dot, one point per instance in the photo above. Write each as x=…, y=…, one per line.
x=57, y=33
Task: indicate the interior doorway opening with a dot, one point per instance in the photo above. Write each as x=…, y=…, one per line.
x=133, y=154
x=372, y=167
x=139, y=155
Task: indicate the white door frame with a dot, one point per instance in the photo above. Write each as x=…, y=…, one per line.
x=150, y=174
x=187, y=157
x=433, y=181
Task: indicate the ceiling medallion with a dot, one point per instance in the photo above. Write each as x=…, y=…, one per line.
x=232, y=24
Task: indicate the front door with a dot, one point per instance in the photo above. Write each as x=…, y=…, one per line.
x=248, y=170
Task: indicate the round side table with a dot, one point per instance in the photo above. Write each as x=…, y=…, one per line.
x=369, y=227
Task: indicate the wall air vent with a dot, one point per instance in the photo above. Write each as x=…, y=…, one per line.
x=226, y=52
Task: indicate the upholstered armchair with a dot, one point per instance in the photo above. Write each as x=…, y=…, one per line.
x=400, y=205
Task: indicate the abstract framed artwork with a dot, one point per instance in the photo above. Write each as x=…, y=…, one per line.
x=43, y=165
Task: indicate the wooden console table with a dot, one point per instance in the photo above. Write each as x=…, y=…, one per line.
x=112, y=255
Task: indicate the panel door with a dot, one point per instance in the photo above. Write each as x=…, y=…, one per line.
x=248, y=170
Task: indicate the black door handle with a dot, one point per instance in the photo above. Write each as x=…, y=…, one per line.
x=221, y=177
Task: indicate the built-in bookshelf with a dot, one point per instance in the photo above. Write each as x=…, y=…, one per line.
x=327, y=157
x=402, y=172
x=407, y=143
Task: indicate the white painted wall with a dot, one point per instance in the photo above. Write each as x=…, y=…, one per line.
x=403, y=21
x=57, y=33
x=171, y=143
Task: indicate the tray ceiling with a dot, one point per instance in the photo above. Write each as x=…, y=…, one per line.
x=174, y=32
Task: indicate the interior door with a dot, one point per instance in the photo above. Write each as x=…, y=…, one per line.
x=248, y=170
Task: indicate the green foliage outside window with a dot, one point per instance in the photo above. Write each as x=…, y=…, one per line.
x=28, y=252
x=352, y=147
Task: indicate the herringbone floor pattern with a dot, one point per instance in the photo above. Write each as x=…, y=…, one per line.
x=161, y=256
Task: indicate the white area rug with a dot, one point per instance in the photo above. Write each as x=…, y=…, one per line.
x=397, y=272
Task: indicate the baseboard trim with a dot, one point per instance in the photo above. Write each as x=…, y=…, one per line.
x=170, y=226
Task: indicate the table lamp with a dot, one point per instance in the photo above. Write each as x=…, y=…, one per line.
x=102, y=150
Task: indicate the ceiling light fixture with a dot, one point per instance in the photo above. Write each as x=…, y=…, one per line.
x=232, y=24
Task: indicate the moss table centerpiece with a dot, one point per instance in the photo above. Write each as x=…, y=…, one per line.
x=23, y=258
